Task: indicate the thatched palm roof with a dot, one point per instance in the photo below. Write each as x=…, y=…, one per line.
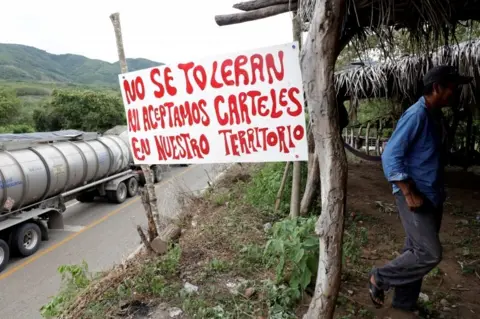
x=401, y=78
x=429, y=18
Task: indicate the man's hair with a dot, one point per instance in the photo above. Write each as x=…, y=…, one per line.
x=428, y=89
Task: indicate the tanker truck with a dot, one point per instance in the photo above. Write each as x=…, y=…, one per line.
x=40, y=172
x=121, y=131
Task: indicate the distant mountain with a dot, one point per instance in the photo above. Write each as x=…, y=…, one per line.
x=25, y=63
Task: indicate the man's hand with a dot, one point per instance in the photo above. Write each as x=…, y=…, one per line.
x=412, y=196
x=414, y=200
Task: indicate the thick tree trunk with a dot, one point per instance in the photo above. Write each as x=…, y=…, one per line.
x=297, y=166
x=147, y=172
x=318, y=75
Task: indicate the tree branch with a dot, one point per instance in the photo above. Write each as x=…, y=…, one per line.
x=259, y=4
x=236, y=18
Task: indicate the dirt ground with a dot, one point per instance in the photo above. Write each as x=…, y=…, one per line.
x=452, y=290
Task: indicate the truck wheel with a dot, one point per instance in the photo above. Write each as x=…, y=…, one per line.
x=157, y=174
x=26, y=239
x=4, y=254
x=118, y=196
x=86, y=197
x=132, y=186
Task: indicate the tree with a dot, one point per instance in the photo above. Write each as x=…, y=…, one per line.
x=81, y=110
x=10, y=106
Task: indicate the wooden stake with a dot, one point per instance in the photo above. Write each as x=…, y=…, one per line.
x=278, y=199
x=357, y=144
x=147, y=172
x=367, y=139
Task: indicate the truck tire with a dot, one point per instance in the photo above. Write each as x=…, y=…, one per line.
x=26, y=239
x=132, y=187
x=86, y=197
x=157, y=174
x=120, y=195
x=4, y=255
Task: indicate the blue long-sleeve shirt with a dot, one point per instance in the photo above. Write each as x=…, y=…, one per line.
x=415, y=152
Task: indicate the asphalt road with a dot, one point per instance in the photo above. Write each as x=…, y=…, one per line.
x=100, y=233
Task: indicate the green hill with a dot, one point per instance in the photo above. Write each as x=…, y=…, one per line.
x=29, y=64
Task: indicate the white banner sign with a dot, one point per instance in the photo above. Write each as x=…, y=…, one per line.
x=244, y=107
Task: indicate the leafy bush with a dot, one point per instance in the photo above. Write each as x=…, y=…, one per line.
x=293, y=247
x=80, y=110
x=75, y=278
x=17, y=128
x=262, y=189
x=31, y=90
x=10, y=106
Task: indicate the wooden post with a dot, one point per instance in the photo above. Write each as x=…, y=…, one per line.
x=352, y=140
x=278, y=199
x=150, y=196
x=359, y=133
x=379, y=134
x=367, y=139
x=318, y=62
x=297, y=166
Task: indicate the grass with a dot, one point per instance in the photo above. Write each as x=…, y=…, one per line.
x=242, y=268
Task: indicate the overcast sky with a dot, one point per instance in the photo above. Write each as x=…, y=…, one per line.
x=160, y=30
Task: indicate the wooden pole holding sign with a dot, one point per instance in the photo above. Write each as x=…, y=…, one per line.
x=297, y=166
x=149, y=198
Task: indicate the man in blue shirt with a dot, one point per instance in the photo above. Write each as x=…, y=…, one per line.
x=413, y=162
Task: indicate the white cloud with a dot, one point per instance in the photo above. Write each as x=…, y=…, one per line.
x=160, y=30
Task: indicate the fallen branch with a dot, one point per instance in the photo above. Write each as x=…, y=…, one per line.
x=235, y=18
x=145, y=242
x=259, y=4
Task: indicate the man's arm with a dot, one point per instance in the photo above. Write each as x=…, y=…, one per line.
x=393, y=157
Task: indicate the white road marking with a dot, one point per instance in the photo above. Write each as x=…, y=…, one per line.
x=69, y=228
x=74, y=202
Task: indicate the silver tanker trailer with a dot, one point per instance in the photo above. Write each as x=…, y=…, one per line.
x=122, y=132
x=40, y=172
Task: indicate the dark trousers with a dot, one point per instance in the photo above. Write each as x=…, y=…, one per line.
x=421, y=253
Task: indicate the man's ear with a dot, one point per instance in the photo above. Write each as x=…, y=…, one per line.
x=436, y=88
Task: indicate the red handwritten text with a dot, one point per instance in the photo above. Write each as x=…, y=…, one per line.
x=181, y=146
x=163, y=82
x=236, y=109
x=257, y=139
x=141, y=148
x=134, y=89
x=242, y=70
x=171, y=115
